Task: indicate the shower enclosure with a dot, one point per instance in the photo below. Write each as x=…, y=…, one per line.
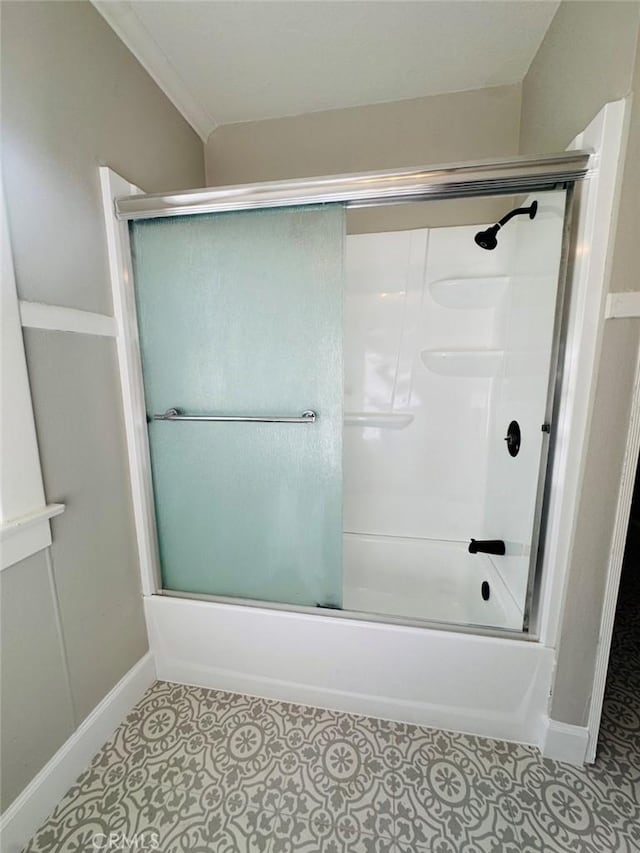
x=354, y=423
x=367, y=431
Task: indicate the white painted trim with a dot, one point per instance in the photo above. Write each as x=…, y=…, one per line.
x=25, y=543
x=128, y=348
x=57, y=318
x=13, y=525
x=29, y=810
x=614, y=568
x=25, y=526
x=564, y=742
x=488, y=686
x=623, y=305
x=588, y=286
x=124, y=21
x=26, y=534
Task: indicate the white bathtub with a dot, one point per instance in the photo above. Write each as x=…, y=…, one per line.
x=426, y=579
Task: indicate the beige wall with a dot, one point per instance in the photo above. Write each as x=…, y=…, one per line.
x=37, y=713
x=423, y=131
x=586, y=59
x=625, y=273
x=73, y=97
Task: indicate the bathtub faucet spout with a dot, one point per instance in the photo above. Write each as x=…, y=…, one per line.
x=487, y=546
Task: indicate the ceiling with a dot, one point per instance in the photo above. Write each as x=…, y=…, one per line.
x=225, y=62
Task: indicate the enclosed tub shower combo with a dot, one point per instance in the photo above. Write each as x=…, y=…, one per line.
x=328, y=411
x=341, y=433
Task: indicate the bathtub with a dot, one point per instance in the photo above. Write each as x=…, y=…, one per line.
x=427, y=579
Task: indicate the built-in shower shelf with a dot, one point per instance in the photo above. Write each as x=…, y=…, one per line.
x=469, y=292
x=383, y=420
x=471, y=363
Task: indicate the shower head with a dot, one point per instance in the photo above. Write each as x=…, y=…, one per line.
x=489, y=239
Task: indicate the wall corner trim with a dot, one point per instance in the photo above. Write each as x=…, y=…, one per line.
x=31, y=808
x=564, y=742
x=131, y=384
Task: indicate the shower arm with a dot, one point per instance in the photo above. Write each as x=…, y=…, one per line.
x=530, y=211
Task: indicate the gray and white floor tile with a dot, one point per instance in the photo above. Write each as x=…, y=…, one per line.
x=194, y=770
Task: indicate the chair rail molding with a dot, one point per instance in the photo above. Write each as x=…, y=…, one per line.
x=621, y=305
x=58, y=318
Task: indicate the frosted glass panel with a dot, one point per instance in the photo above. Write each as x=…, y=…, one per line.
x=241, y=313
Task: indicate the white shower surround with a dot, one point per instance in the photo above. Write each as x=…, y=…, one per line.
x=449, y=343
x=428, y=579
x=486, y=685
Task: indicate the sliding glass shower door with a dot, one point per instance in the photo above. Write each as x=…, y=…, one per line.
x=240, y=323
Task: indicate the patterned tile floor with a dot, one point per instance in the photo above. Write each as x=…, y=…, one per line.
x=194, y=770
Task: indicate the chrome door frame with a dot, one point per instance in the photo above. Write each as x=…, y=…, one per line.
x=362, y=189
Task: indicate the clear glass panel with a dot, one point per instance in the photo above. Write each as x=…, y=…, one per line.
x=241, y=313
x=445, y=344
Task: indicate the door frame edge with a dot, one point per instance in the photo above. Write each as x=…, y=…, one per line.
x=112, y=186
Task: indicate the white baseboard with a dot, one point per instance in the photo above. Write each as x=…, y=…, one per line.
x=31, y=808
x=564, y=742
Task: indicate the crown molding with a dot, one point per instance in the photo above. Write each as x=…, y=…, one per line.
x=126, y=24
